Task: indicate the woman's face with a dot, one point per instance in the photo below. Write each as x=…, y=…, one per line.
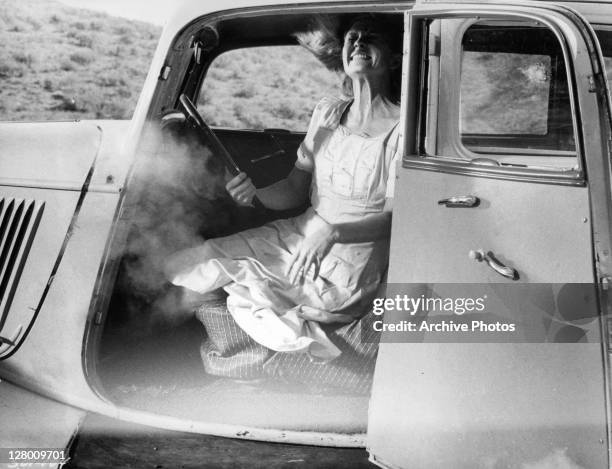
x=365, y=51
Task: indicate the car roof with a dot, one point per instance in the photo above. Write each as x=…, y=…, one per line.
x=186, y=11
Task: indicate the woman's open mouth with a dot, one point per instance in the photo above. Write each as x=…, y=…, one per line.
x=360, y=56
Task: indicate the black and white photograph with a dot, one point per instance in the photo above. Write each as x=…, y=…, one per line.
x=312, y=234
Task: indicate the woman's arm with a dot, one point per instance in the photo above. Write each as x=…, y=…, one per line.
x=316, y=246
x=370, y=228
x=287, y=193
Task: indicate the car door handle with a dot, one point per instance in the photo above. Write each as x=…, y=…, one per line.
x=460, y=201
x=494, y=263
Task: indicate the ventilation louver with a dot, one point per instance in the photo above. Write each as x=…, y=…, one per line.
x=19, y=220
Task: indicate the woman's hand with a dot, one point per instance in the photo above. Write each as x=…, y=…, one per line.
x=311, y=252
x=241, y=189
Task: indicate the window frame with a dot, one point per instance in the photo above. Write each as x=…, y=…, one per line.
x=190, y=75
x=466, y=161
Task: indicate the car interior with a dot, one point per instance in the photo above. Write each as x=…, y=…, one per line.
x=145, y=355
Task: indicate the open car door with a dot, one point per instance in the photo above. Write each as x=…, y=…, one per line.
x=504, y=188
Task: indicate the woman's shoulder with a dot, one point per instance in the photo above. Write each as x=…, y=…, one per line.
x=329, y=110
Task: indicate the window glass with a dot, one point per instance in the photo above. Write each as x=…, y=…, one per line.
x=513, y=91
x=265, y=87
x=504, y=93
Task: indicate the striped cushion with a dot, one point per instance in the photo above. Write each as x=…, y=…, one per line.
x=352, y=371
x=228, y=351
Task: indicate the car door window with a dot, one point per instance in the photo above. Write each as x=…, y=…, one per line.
x=514, y=91
x=507, y=99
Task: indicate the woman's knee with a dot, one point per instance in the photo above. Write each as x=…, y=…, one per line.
x=188, y=259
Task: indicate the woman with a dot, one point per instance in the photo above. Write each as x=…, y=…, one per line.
x=286, y=277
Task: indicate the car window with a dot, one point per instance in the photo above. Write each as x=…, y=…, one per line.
x=502, y=93
x=265, y=87
x=513, y=91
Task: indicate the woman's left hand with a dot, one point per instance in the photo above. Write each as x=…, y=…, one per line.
x=311, y=252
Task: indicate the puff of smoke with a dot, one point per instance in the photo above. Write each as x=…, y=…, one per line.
x=181, y=195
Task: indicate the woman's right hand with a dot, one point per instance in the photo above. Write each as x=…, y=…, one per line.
x=241, y=189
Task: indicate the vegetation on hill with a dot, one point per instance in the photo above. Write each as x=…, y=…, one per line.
x=64, y=63
x=58, y=62
x=244, y=89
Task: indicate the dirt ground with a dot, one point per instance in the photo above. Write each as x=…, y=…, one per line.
x=104, y=443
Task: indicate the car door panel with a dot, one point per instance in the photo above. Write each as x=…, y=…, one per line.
x=502, y=223
x=473, y=405
x=470, y=406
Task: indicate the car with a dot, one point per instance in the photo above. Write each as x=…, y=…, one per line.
x=502, y=205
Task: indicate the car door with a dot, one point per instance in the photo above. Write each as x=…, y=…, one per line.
x=503, y=195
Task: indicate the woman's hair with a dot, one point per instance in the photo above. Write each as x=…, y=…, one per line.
x=325, y=39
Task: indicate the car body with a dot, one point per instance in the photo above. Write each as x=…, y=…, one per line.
x=71, y=196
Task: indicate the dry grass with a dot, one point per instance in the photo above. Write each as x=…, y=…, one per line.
x=245, y=89
x=62, y=63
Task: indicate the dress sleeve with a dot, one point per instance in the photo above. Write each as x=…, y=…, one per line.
x=305, y=156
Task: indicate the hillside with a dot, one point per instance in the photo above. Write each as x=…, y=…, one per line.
x=58, y=62
x=62, y=63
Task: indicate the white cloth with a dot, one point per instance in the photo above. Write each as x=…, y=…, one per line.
x=350, y=180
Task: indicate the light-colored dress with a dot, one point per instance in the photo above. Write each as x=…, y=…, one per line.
x=352, y=176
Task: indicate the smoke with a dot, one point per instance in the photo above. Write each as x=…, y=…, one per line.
x=179, y=200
